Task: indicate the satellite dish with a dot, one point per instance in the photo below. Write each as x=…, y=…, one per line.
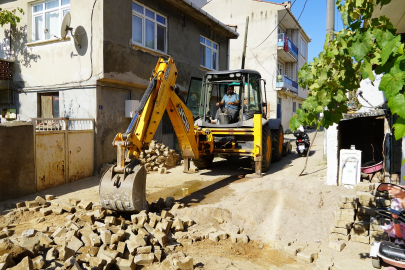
x=65, y=28
x=369, y=94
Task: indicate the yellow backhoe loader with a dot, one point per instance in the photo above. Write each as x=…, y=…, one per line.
x=201, y=132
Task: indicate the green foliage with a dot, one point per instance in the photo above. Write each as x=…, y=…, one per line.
x=365, y=45
x=7, y=16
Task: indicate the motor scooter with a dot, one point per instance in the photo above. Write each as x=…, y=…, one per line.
x=302, y=142
x=391, y=252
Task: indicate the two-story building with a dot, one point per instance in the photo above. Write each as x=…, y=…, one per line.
x=277, y=47
x=106, y=59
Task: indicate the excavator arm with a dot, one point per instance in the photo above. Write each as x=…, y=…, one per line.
x=122, y=187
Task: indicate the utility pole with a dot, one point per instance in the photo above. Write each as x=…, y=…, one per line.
x=330, y=18
x=244, y=43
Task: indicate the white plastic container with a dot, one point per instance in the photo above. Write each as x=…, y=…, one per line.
x=349, y=167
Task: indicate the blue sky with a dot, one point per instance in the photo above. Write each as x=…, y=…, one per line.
x=313, y=20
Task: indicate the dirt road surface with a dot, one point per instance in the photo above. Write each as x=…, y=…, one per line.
x=279, y=207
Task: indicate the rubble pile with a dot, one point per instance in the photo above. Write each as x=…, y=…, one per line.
x=93, y=238
x=355, y=218
x=159, y=157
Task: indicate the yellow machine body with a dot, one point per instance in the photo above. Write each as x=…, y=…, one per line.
x=122, y=187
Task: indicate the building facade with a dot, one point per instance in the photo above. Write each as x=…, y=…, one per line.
x=106, y=59
x=276, y=46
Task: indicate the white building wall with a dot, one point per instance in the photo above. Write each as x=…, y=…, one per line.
x=262, y=18
x=47, y=66
x=302, y=93
x=332, y=155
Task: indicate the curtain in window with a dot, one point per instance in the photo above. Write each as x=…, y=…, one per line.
x=52, y=23
x=39, y=28
x=46, y=106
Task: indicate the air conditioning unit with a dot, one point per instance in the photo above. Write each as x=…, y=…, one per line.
x=130, y=107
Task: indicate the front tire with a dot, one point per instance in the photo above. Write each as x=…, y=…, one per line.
x=277, y=136
x=203, y=162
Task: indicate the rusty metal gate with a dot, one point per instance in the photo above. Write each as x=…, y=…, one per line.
x=64, y=150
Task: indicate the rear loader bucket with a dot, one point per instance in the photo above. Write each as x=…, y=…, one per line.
x=125, y=195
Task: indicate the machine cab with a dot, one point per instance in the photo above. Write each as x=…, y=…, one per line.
x=205, y=93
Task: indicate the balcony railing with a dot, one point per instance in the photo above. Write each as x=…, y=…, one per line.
x=286, y=43
x=286, y=83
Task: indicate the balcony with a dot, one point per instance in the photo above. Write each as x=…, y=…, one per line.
x=287, y=50
x=285, y=83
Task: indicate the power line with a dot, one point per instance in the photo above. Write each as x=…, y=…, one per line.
x=274, y=27
x=301, y=13
x=260, y=63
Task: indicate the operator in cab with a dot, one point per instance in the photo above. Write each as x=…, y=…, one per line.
x=231, y=102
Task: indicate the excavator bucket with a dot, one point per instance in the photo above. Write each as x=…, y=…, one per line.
x=124, y=192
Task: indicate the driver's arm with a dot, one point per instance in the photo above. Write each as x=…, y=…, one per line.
x=236, y=103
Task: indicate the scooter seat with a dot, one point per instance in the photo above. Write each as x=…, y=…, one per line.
x=392, y=251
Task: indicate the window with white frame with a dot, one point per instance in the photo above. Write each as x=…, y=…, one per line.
x=303, y=50
x=47, y=18
x=208, y=53
x=149, y=29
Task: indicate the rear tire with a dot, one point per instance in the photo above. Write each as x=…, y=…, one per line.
x=277, y=136
x=203, y=162
x=376, y=262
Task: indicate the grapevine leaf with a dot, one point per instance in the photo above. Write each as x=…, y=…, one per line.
x=378, y=34
x=367, y=71
x=323, y=76
x=399, y=64
x=314, y=86
x=401, y=49
x=339, y=96
x=345, y=18
x=399, y=130
x=310, y=103
x=387, y=36
x=294, y=123
x=392, y=84
x=324, y=97
x=355, y=25
x=301, y=115
x=392, y=46
x=397, y=105
x=362, y=46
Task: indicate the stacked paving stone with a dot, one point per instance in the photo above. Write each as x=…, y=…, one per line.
x=93, y=239
x=159, y=157
x=302, y=251
x=355, y=218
